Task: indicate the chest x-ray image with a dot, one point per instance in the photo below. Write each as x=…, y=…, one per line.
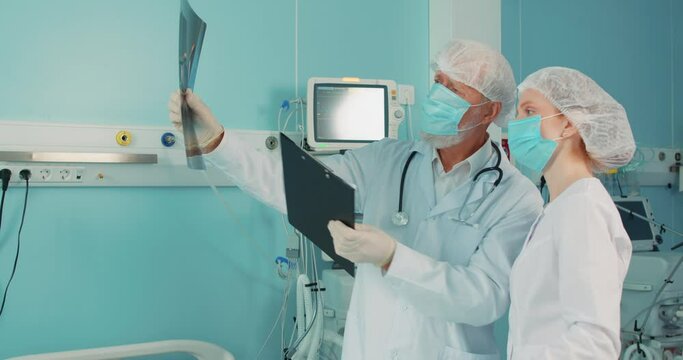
x=191, y=37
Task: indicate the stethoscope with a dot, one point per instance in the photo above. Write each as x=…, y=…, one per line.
x=400, y=218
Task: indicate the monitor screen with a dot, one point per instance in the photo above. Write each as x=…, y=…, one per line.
x=350, y=112
x=637, y=229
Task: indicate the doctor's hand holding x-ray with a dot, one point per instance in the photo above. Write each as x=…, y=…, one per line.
x=209, y=131
x=431, y=285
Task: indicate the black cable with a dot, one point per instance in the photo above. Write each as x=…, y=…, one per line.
x=16, y=257
x=621, y=193
x=2, y=206
x=5, y=176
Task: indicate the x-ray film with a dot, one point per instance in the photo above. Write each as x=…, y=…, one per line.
x=192, y=30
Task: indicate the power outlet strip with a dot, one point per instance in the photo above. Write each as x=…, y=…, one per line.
x=48, y=174
x=166, y=143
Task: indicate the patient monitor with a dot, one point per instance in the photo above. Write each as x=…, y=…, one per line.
x=642, y=232
x=348, y=113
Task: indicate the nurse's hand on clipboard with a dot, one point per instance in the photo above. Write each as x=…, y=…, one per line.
x=209, y=131
x=364, y=244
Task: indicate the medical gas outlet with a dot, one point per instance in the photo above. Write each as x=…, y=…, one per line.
x=124, y=138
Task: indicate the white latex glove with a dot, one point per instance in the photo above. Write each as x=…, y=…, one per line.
x=364, y=244
x=206, y=126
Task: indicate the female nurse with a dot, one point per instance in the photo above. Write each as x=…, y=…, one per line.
x=566, y=284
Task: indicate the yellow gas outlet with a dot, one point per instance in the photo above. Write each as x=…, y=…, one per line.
x=124, y=137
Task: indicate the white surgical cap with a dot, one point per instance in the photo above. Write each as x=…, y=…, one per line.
x=482, y=68
x=601, y=120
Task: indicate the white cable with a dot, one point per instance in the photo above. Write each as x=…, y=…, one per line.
x=292, y=112
x=305, y=345
x=284, y=224
x=284, y=315
x=301, y=126
x=291, y=337
x=233, y=215
x=296, y=321
x=279, y=115
x=302, y=346
x=246, y=235
x=295, y=326
x=304, y=310
x=296, y=48
x=672, y=70
x=285, y=297
x=305, y=338
x=304, y=303
x=411, y=135
x=310, y=341
x=302, y=255
x=317, y=336
x=300, y=113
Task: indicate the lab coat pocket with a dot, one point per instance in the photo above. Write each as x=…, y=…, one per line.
x=449, y=353
x=459, y=245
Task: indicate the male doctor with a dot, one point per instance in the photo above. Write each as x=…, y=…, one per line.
x=430, y=288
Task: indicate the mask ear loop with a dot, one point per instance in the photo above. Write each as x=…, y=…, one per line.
x=470, y=128
x=552, y=116
x=480, y=104
x=565, y=129
x=480, y=123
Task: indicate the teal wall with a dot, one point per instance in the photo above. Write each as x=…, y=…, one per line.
x=103, y=267
x=632, y=48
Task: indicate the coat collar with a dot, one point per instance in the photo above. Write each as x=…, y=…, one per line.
x=480, y=190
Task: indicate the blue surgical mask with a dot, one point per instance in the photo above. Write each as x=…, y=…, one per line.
x=444, y=110
x=528, y=147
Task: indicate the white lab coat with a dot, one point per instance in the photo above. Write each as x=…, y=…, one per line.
x=566, y=284
x=448, y=282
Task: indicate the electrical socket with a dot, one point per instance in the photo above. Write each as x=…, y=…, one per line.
x=44, y=174
x=406, y=94
x=64, y=174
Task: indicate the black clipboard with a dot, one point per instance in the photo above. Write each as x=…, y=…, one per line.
x=315, y=195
